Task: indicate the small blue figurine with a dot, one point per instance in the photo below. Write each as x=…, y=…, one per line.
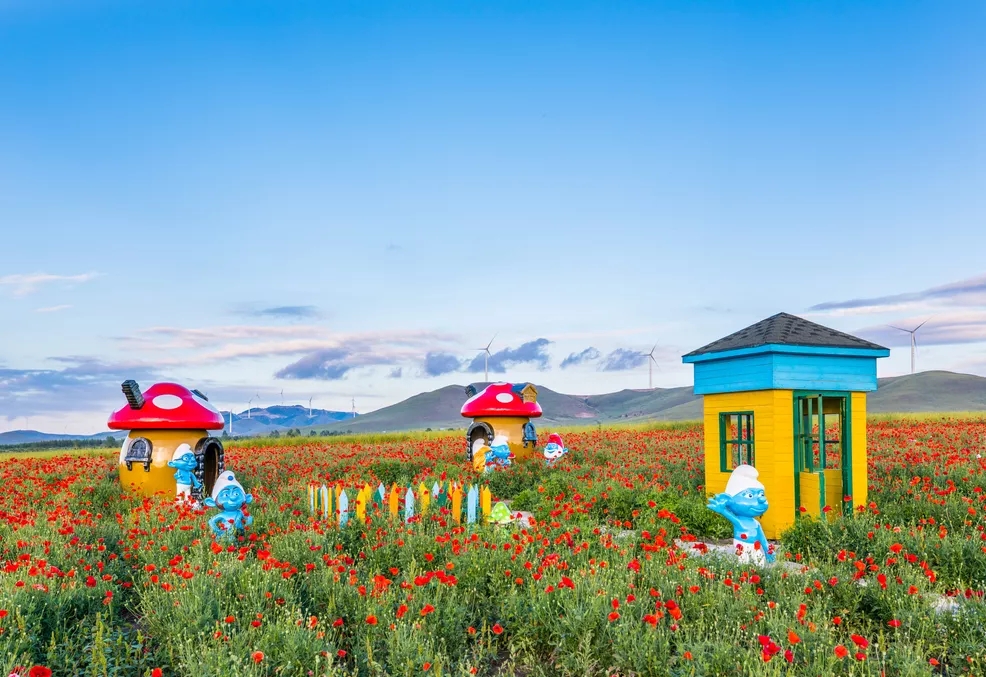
x=499, y=453
x=742, y=502
x=184, y=460
x=228, y=495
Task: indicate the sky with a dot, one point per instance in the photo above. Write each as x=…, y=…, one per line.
x=346, y=200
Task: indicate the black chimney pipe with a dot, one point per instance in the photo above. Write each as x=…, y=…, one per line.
x=132, y=391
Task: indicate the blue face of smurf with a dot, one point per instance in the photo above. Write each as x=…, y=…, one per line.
x=184, y=462
x=749, y=503
x=230, y=498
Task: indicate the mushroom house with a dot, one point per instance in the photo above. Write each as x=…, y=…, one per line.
x=167, y=422
x=503, y=410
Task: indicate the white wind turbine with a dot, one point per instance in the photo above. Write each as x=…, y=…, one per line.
x=914, y=340
x=651, y=361
x=310, y=406
x=249, y=406
x=486, y=367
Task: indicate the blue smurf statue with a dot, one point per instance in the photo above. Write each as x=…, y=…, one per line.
x=742, y=502
x=554, y=449
x=228, y=495
x=184, y=460
x=499, y=453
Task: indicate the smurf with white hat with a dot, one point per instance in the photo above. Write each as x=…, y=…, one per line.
x=184, y=460
x=229, y=496
x=742, y=502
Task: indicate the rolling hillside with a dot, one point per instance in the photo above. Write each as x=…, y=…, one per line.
x=931, y=391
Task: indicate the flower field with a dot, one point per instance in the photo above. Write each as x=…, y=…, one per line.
x=99, y=582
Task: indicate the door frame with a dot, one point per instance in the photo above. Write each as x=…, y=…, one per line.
x=846, y=442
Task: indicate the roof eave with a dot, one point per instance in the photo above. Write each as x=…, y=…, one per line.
x=876, y=352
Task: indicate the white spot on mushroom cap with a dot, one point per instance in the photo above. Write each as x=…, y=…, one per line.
x=167, y=401
x=505, y=397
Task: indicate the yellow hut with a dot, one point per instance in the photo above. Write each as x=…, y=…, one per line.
x=162, y=421
x=788, y=397
x=503, y=410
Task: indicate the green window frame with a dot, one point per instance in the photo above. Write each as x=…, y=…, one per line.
x=736, y=440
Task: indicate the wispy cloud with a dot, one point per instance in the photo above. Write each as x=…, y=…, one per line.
x=396, y=372
x=970, y=292
x=24, y=284
x=288, y=312
x=218, y=344
x=437, y=364
x=587, y=355
x=942, y=329
x=84, y=384
x=623, y=359
x=52, y=309
x=532, y=352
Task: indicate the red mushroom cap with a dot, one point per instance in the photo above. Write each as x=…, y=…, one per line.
x=168, y=406
x=499, y=399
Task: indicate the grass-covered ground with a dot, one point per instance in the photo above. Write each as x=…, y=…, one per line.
x=99, y=582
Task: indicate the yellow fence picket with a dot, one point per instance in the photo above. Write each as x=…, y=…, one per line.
x=424, y=497
x=393, y=501
x=485, y=500
x=456, y=495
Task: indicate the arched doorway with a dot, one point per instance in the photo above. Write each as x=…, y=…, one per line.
x=478, y=430
x=210, y=462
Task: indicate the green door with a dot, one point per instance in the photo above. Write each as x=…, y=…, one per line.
x=823, y=452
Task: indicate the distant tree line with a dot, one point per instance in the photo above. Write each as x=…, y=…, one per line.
x=296, y=432
x=96, y=443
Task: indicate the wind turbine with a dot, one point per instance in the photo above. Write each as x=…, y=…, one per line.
x=282, y=397
x=651, y=361
x=249, y=404
x=231, y=421
x=354, y=407
x=310, y=406
x=486, y=368
x=914, y=340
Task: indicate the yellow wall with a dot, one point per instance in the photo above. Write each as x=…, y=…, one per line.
x=773, y=438
x=859, y=478
x=159, y=477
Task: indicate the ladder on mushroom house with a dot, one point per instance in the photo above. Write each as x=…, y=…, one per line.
x=465, y=503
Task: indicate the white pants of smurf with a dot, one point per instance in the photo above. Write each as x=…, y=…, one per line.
x=750, y=552
x=183, y=492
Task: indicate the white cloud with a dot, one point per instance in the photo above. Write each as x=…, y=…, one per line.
x=52, y=309
x=24, y=284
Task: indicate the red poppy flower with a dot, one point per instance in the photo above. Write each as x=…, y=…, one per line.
x=497, y=629
x=39, y=671
x=859, y=641
x=257, y=656
x=614, y=616
x=427, y=609
x=157, y=672
x=841, y=651
x=371, y=620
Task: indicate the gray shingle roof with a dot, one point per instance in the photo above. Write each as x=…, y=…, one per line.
x=785, y=329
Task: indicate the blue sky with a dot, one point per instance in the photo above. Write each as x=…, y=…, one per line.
x=345, y=199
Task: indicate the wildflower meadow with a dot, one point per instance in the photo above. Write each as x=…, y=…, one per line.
x=605, y=579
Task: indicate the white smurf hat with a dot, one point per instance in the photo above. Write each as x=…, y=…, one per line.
x=742, y=478
x=499, y=441
x=226, y=479
x=180, y=451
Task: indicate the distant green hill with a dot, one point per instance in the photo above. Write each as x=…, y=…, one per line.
x=930, y=391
